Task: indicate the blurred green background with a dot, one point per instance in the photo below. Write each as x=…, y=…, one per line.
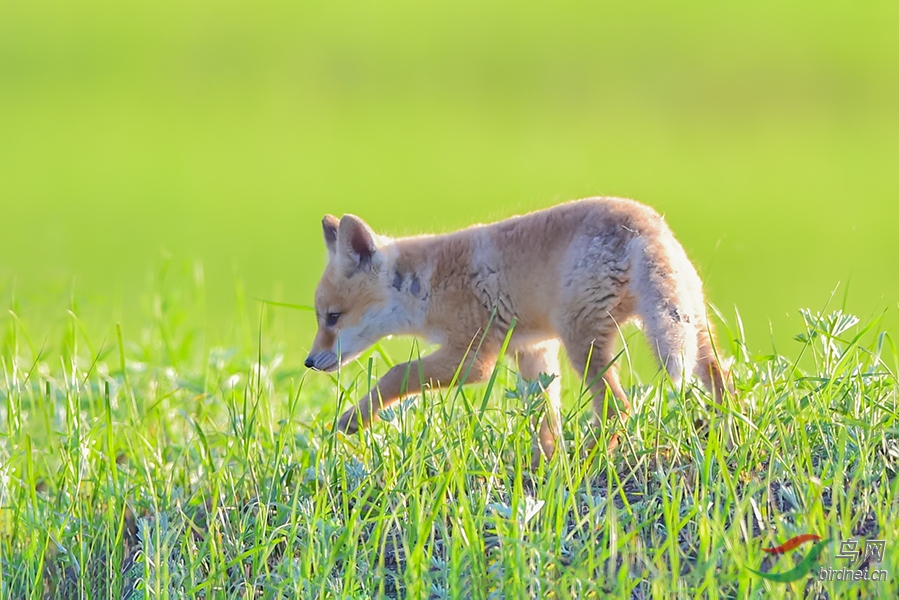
x=221, y=132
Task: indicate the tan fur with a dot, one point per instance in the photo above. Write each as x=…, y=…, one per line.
x=573, y=274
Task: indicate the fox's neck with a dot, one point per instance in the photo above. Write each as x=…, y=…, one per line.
x=408, y=273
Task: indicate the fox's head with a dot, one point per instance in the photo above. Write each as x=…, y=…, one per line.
x=352, y=302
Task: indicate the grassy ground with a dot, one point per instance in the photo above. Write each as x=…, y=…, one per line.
x=148, y=464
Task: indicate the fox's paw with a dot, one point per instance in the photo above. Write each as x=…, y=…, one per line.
x=613, y=443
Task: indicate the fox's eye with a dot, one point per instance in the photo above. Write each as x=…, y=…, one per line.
x=331, y=321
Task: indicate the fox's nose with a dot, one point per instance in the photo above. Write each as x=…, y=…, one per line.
x=309, y=362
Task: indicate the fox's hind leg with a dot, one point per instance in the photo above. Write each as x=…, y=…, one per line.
x=592, y=357
x=708, y=369
x=532, y=361
x=715, y=379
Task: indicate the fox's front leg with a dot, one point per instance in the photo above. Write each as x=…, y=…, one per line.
x=435, y=370
x=532, y=361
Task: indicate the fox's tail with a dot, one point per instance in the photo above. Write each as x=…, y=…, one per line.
x=671, y=305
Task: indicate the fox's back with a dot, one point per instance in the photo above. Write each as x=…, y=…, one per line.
x=544, y=235
x=525, y=266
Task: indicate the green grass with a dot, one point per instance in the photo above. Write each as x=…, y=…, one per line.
x=151, y=464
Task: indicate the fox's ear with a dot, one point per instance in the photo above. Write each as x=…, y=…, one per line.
x=329, y=228
x=355, y=242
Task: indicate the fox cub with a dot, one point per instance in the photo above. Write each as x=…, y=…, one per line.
x=570, y=274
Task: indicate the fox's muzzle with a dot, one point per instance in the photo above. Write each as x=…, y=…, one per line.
x=322, y=361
